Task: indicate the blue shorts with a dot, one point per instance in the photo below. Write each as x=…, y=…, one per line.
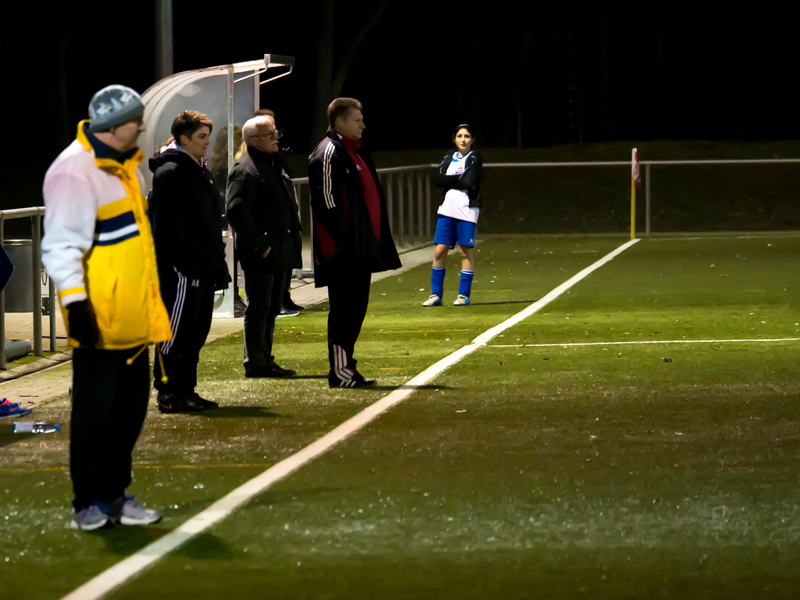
x=450, y=230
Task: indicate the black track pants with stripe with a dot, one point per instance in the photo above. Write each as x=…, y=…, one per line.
x=190, y=304
x=348, y=296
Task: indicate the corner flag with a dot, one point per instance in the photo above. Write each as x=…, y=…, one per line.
x=636, y=181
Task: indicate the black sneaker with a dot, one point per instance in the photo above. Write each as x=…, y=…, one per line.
x=176, y=403
x=288, y=303
x=285, y=312
x=273, y=371
x=238, y=307
x=195, y=402
x=358, y=381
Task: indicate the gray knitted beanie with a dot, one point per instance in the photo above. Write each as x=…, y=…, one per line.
x=112, y=106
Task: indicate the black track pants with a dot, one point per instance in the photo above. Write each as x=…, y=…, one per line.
x=109, y=405
x=190, y=304
x=348, y=296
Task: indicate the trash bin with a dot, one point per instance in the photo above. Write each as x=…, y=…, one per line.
x=19, y=291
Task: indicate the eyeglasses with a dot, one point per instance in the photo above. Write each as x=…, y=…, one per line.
x=272, y=135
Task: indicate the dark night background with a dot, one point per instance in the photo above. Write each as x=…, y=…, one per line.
x=580, y=75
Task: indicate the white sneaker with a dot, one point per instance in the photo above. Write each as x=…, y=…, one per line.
x=434, y=300
x=89, y=519
x=461, y=300
x=133, y=513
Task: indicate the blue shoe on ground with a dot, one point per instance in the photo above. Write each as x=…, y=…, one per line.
x=12, y=409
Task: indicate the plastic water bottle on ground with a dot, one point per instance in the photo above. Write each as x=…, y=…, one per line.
x=29, y=427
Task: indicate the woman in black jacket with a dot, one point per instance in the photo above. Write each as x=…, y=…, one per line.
x=186, y=221
x=460, y=177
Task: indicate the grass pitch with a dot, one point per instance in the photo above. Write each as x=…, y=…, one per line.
x=606, y=471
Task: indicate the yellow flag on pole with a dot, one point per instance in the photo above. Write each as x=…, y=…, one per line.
x=636, y=181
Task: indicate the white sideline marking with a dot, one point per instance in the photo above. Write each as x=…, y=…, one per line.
x=124, y=570
x=644, y=342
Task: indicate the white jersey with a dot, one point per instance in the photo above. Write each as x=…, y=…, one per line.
x=456, y=202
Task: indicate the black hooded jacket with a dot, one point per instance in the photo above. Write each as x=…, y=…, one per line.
x=343, y=234
x=184, y=211
x=262, y=210
x=469, y=181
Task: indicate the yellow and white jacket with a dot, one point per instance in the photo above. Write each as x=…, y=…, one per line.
x=98, y=244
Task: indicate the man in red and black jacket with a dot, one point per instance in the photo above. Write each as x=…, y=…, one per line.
x=352, y=238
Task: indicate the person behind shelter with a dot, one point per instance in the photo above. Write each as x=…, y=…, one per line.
x=460, y=176
x=219, y=171
x=218, y=164
x=98, y=249
x=352, y=238
x=186, y=223
x=262, y=211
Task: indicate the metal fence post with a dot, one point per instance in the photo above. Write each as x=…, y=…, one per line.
x=428, y=204
x=51, y=293
x=390, y=202
x=420, y=213
x=647, y=199
x=2, y=304
x=36, y=259
x=401, y=212
x=410, y=207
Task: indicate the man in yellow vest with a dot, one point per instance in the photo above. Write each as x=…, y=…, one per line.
x=99, y=251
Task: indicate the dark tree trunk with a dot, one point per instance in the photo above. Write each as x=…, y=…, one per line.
x=328, y=85
x=323, y=94
x=350, y=52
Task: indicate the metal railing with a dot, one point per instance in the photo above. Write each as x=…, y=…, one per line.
x=647, y=164
x=35, y=214
x=408, y=202
x=408, y=198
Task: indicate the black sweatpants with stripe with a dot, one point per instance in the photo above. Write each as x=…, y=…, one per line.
x=109, y=405
x=190, y=303
x=348, y=297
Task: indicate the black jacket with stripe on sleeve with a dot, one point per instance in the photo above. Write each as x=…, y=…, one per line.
x=343, y=234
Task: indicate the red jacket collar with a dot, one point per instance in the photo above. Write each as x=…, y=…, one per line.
x=351, y=145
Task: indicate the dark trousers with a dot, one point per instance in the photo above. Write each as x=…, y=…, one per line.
x=109, y=405
x=264, y=299
x=190, y=304
x=348, y=297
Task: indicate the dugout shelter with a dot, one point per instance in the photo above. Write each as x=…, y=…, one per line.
x=228, y=95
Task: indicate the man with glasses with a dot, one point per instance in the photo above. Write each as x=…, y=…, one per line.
x=262, y=210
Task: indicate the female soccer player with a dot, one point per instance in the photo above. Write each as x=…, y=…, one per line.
x=460, y=176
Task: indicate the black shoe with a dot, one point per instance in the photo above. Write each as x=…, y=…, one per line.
x=290, y=305
x=195, y=402
x=285, y=312
x=357, y=382
x=176, y=403
x=238, y=307
x=273, y=371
